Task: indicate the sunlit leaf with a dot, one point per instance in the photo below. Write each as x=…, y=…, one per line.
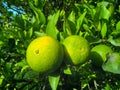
x=54, y=80
x=111, y=8
x=99, y=26
x=66, y=28
x=104, y=3
x=118, y=26
x=30, y=33
x=38, y=34
x=104, y=13
x=1, y=44
x=86, y=27
x=69, y=24
x=107, y=87
x=113, y=63
x=40, y=18
x=24, y=68
x=1, y=79
x=80, y=21
x=104, y=30
x=21, y=63
x=51, y=28
x=62, y=12
x=72, y=27
x=114, y=41
x=67, y=71
x=71, y=17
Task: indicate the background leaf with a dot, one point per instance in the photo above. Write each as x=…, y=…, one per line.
x=54, y=80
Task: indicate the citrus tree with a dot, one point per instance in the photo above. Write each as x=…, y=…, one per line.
x=90, y=61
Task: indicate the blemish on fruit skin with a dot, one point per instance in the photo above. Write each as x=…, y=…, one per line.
x=81, y=49
x=36, y=51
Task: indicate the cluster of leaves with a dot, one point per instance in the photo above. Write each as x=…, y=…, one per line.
x=97, y=21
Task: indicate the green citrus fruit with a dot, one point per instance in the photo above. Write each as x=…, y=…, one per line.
x=44, y=54
x=76, y=49
x=112, y=63
x=98, y=54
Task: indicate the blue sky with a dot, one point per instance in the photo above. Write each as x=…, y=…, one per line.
x=13, y=9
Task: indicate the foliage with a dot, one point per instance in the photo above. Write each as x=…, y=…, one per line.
x=20, y=23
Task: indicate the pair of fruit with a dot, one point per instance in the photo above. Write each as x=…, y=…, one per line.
x=45, y=54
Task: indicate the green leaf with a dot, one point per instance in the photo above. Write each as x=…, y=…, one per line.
x=24, y=68
x=1, y=79
x=21, y=34
x=1, y=44
x=39, y=34
x=67, y=71
x=39, y=3
x=104, y=30
x=86, y=27
x=104, y=3
x=80, y=21
x=114, y=41
x=107, y=87
x=104, y=13
x=111, y=8
x=19, y=21
x=70, y=27
x=28, y=73
x=118, y=26
x=93, y=40
x=40, y=18
x=71, y=17
x=66, y=28
x=69, y=24
x=30, y=33
x=99, y=26
x=112, y=63
x=1, y=35
x=62, y=13
x=51, y=28
x=21, y=63
x=8, y=67
x=8, y=70
x=54, y=80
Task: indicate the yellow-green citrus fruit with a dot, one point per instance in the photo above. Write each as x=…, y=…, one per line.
x=76, y=50
x=44, y=54
x=98, y=54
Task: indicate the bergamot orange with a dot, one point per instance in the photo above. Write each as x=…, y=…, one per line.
x=98, y=54
x=76, y=50
x=44, y=54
